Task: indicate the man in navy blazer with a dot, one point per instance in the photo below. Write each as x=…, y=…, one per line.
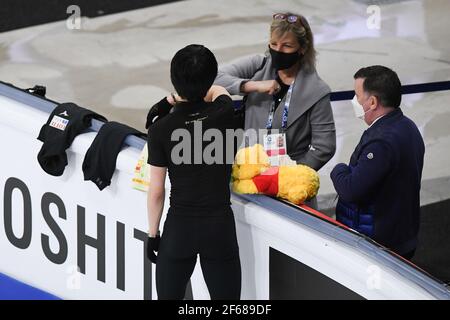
x=379, y=189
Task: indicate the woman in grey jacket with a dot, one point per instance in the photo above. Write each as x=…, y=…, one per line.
x=265, y=81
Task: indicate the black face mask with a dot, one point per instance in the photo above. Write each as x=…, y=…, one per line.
x=282, y=60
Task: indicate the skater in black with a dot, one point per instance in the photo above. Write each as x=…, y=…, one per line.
x=200, y=220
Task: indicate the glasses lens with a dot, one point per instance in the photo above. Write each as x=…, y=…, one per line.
x=292, y=19
x=279, y=16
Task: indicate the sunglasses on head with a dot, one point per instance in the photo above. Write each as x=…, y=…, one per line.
x=291, y=18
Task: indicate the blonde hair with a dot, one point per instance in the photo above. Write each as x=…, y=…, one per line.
x=304, y=35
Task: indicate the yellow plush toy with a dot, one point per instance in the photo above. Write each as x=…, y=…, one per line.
x=253, y=174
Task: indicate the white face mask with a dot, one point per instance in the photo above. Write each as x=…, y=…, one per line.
x=358, y=109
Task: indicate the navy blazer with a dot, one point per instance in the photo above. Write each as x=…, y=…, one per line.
x=384, y=176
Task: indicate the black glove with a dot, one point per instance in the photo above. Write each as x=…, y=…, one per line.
x=152, y=247
x=157, y=112
x=39, y=90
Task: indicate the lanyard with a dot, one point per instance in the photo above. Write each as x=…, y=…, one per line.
x=284, y=118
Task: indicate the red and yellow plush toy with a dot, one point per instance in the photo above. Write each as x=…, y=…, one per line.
x=252, y=174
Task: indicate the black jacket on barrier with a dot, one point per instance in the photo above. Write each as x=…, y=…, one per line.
x=383, y=180
x=65, y=122
x=100, y=159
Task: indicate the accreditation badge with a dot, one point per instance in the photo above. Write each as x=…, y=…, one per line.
x=275, y=147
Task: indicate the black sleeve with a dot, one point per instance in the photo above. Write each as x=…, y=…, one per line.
x=156, y=154
x=231, y=117
x=223, y=101
x=355, y=184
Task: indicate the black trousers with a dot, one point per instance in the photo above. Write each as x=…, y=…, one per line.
x=212, y=236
